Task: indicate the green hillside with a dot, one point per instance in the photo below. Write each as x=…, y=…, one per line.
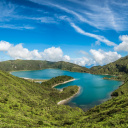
x=14, y=65
x=119, y=67
x=26, y=104
x=56, y=80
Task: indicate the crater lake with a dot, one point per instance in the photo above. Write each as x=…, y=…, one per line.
x=94, y=89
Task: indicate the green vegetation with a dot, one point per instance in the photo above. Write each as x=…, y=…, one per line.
x=16, y=65
x=122, y=90
x=26, y=104
x=111, y=114
x=118, y=77
x=119, y=67
x=36, y=80
x=56, y=80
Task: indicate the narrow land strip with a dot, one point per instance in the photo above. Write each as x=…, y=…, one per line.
x=63, y=83
x=66, y=100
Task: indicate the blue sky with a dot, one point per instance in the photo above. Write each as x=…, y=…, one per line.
x=85, y=32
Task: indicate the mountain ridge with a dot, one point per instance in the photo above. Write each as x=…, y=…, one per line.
x=118, y=67
x=15, y=65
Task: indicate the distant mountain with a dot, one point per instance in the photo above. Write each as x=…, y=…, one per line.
x=118, y=67
x=90, y=66
x=14, y=65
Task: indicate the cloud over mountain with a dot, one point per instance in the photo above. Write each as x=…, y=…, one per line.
x=124, y=45
x=4, y=46
x=95, y=57
x=19, y=52
x=101, y=57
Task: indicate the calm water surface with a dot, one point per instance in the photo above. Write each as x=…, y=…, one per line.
x=94, y=89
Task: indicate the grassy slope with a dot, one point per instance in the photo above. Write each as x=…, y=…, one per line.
x=119, y=67
x=14, y=65
x=27, y=104
x=110, y=114
x=56, y=80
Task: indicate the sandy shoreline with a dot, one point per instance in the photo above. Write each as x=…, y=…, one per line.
x=18, y=71
x=66, y=100
x=34, y=80
x=41, y=80
x=62, y=101
x=63, y=83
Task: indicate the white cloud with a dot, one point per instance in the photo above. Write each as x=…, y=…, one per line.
x=82, y=61
x=96, y=57
x=7, y=10
x=66, y=58
x=83, y=52
x=86, y=54
x=4, y=46
x=19, y=52
x=124, y=45
x=9, y=13
x=105, y=17
x=98, y=37
x=10, y=26
x=102, y=15
x=101, y=57
x=97, y=42
x=80, y=17
x=124, y=38
x=45, y=19
x=54, y=54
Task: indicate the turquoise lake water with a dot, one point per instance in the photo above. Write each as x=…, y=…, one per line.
x=94, y=89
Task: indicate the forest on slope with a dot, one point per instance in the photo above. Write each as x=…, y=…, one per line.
x=16, y=65
x=119, y=67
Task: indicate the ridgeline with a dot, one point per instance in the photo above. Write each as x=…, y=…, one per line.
x=16, y=65
x=119, y=67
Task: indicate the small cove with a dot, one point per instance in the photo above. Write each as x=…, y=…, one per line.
x=94, y=89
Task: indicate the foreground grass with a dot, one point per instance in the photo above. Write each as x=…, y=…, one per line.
x=27, y=104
